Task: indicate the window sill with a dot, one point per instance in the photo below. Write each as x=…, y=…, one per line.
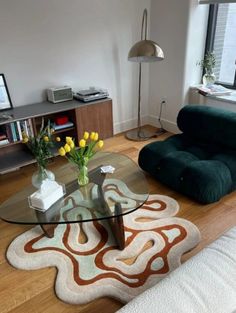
x=226, y=98
x=196, y=97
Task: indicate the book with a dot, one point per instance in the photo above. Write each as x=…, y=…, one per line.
x=16, y=131
x=24, y=128
x=59, y=127
x=13, y=131
x=9, y=132
x=19, y=130
x=4, y=142
x=30, y=127
x=3, y=136
x=214, y=90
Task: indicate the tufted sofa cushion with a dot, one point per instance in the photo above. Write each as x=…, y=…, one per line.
x=192, y=164
x=208, y=124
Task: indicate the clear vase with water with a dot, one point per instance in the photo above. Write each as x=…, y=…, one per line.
x=209, y=78
x=83, y=178
x=40, y=175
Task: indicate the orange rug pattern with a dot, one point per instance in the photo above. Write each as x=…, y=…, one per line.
x=88, y=262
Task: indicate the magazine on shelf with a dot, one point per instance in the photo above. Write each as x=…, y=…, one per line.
x=4, y=142
x=59, y=127
x=214, y=90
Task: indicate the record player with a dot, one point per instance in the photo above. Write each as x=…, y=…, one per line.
x=91, y=94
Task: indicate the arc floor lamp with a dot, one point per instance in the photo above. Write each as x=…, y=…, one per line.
x=143, y=51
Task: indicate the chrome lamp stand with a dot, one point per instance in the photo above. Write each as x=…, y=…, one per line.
x=144, y=51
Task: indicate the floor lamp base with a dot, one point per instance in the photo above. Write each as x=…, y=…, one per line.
x=160, y=131
x=140, y=134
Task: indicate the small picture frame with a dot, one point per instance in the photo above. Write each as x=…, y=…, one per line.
x=5, y=99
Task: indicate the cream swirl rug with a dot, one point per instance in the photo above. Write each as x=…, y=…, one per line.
x=90, y=266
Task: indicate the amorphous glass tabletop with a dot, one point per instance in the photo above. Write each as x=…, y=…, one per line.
x=106, y=196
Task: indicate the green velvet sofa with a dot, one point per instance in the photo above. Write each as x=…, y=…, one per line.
x=201, y=161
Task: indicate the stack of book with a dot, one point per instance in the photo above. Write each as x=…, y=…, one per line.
x=213, y=90
x=13, y=132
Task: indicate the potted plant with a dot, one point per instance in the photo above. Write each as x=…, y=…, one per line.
x=208, y=64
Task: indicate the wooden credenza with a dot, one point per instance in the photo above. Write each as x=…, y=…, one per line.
x=92, y=116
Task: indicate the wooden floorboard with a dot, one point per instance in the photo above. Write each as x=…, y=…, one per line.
x=33, y=291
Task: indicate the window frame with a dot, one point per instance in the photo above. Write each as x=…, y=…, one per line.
x=211, y=29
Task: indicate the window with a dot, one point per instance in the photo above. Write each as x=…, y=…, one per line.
x=221, y=38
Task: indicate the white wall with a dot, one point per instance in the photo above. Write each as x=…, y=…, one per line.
x=196, y=37
x=180, y=28
x=80, y=43
x=169, y=22
x=85, y=43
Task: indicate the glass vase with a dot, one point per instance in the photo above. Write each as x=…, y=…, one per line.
x=83, y=178
x=40, y=175
x=208, y=79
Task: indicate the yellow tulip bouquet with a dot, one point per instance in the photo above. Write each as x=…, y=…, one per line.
x=81, y=155
x=40, y=145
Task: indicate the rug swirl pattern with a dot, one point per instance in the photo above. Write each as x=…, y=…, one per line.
x=88, y=262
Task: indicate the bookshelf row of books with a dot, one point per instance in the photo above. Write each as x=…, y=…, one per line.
x=13, y=132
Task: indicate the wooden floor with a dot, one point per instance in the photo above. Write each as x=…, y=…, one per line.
x=33, y=291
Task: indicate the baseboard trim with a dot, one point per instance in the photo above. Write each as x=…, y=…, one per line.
x=129, y=124
x=146, y=120
x=167, y=125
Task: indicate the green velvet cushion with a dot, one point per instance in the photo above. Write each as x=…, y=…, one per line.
x=153, y=153
x=198, y=163
x=170, y=169
x=229, y=159
x=206, y=181
x=208, y=124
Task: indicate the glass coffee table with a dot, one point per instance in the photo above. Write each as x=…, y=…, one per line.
x=107, y=196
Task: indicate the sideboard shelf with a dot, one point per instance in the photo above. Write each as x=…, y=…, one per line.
x=92, y=116
x=9, y=144
x=15, y=159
